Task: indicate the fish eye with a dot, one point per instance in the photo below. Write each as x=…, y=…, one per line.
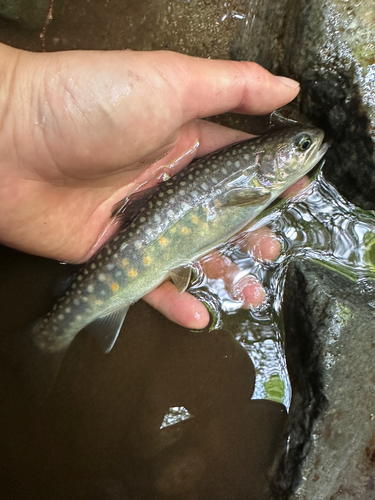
x=303, y=142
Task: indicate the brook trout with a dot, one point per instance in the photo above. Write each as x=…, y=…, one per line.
x=175, y=223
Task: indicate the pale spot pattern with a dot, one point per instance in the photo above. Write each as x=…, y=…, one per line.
x=154, y=232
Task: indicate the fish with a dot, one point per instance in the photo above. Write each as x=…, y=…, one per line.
x=164, y=229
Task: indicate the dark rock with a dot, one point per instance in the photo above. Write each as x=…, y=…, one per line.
x=335, y=63
x=330, y=349
x=30, y=13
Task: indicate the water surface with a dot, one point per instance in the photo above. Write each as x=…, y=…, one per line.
x=317, y=223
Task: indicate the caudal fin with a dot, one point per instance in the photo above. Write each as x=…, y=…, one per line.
x=35, y=370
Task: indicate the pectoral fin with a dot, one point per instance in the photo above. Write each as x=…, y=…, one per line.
x=107, y=328
x=181, y=277
x=244, y=197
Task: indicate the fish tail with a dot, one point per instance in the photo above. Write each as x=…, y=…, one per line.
x=34, y=369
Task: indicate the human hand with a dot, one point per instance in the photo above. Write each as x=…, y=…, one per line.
x=82, y=130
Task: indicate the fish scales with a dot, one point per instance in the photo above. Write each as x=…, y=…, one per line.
x=188, y=215
x=124, y=258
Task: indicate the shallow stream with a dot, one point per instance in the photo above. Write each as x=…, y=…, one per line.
x=317, y=223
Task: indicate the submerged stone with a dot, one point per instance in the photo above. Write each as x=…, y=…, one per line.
x=335, y=63
x=330, y=347
x=30, y=13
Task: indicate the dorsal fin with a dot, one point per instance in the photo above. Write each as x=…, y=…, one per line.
x=128, y=208
x=278, y=118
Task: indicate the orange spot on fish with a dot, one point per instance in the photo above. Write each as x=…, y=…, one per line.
x=194, y=219
x=185, y=230
x=146, y=261
x=115, y=287
x=163, y=241
x=132, y=273
x=125, y=262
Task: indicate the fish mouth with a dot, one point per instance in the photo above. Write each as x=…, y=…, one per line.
x=321, y=151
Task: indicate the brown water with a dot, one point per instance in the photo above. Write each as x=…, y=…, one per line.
x=168, y=413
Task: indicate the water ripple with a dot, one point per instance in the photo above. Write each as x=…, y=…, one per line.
x=317, y=223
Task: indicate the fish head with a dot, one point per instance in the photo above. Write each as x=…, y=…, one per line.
x=285, y=156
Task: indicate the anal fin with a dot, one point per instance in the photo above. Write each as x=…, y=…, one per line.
x=107, y=328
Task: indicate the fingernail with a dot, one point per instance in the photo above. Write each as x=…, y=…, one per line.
x=288, y=82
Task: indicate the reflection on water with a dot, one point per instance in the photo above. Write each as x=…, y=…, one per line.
x=317, y=223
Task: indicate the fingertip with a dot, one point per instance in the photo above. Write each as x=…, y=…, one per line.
x=263, y=91
x=289, y=82
x=214, y=87
x=181, y=308
x=200, y=317
x=216, y=265
x=253, y=295
x=269, y=248
x=192, y=313
x=249, y=291
x=263, y=244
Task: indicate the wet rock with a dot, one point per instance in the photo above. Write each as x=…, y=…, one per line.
x=30, y=13
x=335, y=63
x=194, y=27
x=330, y=348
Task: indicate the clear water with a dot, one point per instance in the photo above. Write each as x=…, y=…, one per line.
x=317, y=223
